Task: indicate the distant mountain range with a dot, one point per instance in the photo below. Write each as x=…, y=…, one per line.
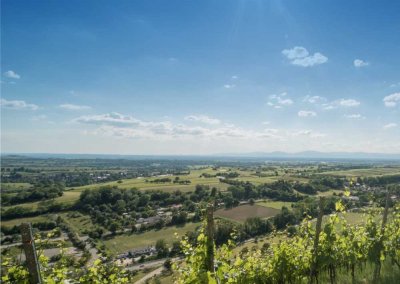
x=314, y=154
x=305, y=155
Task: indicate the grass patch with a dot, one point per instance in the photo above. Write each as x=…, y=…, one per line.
x=275, y=204
x=68, y=198
x=241, y=213
x=370, y=172
x=79, y=222
x=329, y=192
x=142, y=273
x=16, y=222
x=125, y=242
x=14, y=186
x=163, y=279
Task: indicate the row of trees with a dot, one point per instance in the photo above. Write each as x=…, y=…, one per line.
x=42, y=190
x=114, y=208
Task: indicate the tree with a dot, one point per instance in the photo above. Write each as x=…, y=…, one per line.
x=176, y=248
x=168, y=265
x=162, y=249
x=114, y=226
x=284, y=218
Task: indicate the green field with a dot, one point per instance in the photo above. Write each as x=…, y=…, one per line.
x=243, y=212
x=68, y=198
x=330, y=192
x=79, y=222
x=14, y=187
x=14, y=222
x=370, y=172
x=125, y=242
x=71, y=195
x=275, y=204
x=141, y=183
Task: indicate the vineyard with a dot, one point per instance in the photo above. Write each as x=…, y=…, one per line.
x=316, y=254
x=333, y=252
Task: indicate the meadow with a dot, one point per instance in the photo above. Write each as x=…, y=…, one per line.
x=125, y=242
x=243, y=212
x=369, y=172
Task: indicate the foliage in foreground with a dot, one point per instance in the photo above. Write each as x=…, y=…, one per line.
x=341, y=248
x=63, y=270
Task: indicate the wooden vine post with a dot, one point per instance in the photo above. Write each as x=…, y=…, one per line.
x=210, y=238
x=314, y=264
x=384, y=221
x=32, y=262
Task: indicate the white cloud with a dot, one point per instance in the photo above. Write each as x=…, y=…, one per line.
x=113, y=118
x=115, y=124
x=312, y=60
x=17, y=105
x=39, y=117
x=278, y=101
x=314, y=99
x=11, y=74
x=308, y=133
x=235, y=77
x=74, y=107
x=266, y=123
x=229, y=86
x=391, y=100
x=341, y=103
x=125, y=126
x=354, y=116
x=203, y=118
x=295, y=52
x=348, y=102
x=299, y=56
x=390, y=125
x=360, y=63
x=306, y=113
x=328, y=106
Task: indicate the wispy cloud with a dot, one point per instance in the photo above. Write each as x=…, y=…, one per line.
x=309, y=133
x=306, y=113
x=360, y=63
x=229, y=86
x=390, y=125
x=113, y=118
x=203, y=119
x=119, y=125
x=391, y=100
x=314, y=99
x=17, y=105
x=39, y=117
x=74, y=107
x=346, y=103
x=11, y=74
x=300, y=56
x=279, y=101
x=354, y=116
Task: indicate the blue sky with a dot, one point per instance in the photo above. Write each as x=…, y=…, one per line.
x=200, y=77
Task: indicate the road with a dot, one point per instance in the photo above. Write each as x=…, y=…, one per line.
x=144, y=265
x=156, y=272
x=62, y=238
